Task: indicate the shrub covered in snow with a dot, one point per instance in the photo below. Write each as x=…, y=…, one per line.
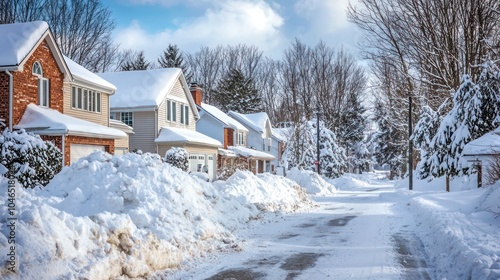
x=178, y=157
x=28, y=158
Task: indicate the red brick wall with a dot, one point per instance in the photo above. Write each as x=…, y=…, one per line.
x=26, y=84
x=197, y=94
x=109, y=144
x=228, y=137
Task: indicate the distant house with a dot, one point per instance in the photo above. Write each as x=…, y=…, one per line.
x=48, y=94
x=158, y=105
x=260, y=138
x=234, y=135
x=484, y=149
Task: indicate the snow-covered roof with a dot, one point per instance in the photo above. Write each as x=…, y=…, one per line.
x=121, y=126
x=488, y=144
x=227, y=153
x=257, y=121
x=51, y=122
x=143, y=88
x=18, y=39
x=223, y=117
x=185, y=136
x=246, y=152
x=82, y=74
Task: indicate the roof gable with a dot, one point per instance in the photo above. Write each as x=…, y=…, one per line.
x=257, y=121
x=223, y=117
x=81, y=74
x=145, y=89
x=21, y=39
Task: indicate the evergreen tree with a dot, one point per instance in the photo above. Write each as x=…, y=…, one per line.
x=422, y=136
x=237, y=93
x=451, y=136
x=388, y=149
x=301, y=149
x=136, y=62
x=173, y=58
x=332, y=156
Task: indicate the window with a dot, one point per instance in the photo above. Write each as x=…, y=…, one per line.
x=127, y=118
x=240, y=138
x=184, y=114
x=43, y=85
x=85, y=99
x=43, y=92
x=266, y=144
x=37, y=69
x=171, y=111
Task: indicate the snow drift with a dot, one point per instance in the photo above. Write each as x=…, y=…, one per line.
x=109, y=216
x=311, y=181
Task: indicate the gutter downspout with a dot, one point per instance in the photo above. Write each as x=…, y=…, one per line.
x=11, y=97
x=156, y=128
x=63, y=148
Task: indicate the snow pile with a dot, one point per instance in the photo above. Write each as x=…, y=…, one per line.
x=128, y=216
x=266, y=191
x=461, y=231
x=311, y=181
x=352, y=181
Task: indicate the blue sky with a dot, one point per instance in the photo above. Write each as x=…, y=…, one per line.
x=151, y=25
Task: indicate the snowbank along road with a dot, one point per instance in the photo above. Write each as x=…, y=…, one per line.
x=362, y=233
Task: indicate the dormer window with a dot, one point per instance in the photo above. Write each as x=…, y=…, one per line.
x=43, y=85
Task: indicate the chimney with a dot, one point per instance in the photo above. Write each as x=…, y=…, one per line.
x=196, y=93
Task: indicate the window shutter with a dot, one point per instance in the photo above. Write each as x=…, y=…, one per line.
x=73, y=97
x=174, y=111
x=47, y=92
x=169, y=110
x=40, y=100
x=182, y=114
x=186, y=109
x=98, y=109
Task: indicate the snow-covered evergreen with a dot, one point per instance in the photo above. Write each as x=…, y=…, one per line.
x=178, y=157
x=237, y=93
x=474, y=113
x=173, y=58
x=422, y=136
x=301, y=150
x=31, y=160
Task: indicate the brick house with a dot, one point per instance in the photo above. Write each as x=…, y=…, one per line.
x=38, y=91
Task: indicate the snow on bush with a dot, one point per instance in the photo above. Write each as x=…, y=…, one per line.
x=266, y=191
x=28, y=158
x=178, y=157
x=311, y=181
x=128, y=216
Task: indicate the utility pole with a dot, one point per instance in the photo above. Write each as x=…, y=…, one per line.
x=410, y=144
x=317, y=139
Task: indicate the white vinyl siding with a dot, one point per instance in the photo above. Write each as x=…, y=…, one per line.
x=176, y=94
x=144, y=132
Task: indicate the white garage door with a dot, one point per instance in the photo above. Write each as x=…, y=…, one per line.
x=78, y=151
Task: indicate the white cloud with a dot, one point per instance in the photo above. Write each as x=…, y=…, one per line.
x=327, y=15
x=251, y=22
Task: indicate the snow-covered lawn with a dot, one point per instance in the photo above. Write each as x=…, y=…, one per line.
x=134, y=216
